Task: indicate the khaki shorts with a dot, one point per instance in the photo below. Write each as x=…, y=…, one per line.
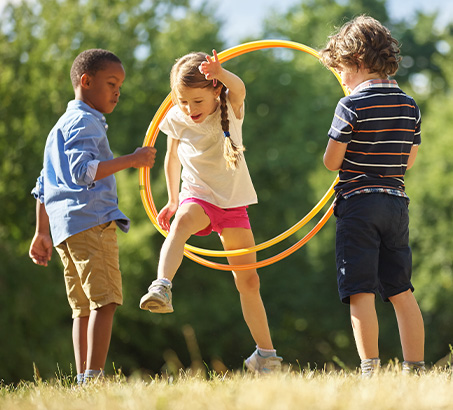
x=91, y=269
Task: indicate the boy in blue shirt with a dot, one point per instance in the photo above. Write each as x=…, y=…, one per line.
x=77, y=201
x=374, y=139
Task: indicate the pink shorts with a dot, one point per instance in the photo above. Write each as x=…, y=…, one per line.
x=221, y=217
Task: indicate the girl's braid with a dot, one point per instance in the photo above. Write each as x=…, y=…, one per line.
x=231, y=151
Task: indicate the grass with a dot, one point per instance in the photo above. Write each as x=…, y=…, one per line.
x=302, y=389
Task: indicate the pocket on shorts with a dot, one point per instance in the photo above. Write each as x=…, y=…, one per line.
x=401, y=235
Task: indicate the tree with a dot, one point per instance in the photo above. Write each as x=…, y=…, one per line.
x=39, y=41
x=289, y=106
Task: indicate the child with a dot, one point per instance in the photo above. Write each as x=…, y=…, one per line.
x=374, y=138
x=204, y=131
x=77, y=199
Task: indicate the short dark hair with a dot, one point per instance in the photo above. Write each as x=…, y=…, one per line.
x=90, y=62
x=363, y=41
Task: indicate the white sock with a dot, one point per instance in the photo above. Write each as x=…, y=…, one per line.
x=164, y=281
x=266, y=352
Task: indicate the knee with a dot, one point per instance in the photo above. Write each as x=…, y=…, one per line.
x=402, y=298
x=248, y=283
x=183, y=225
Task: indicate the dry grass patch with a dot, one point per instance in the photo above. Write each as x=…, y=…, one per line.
x=291, y=390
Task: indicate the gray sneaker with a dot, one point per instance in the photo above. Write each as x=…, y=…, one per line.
x=158, y=298
x=259, y=364
x=370, y=367
x=414, y=368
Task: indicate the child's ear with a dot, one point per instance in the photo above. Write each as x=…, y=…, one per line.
x=85, y=80
x=218, y=90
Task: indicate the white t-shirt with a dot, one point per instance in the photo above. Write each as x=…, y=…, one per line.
x=204, y=173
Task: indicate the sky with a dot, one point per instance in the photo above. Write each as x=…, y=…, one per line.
x=245, y=17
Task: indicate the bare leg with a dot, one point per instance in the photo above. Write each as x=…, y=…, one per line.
x=79, y=340
x=99, y=334
x=410, y=324
x=189, y=219
x=248, y=285
x=365, y=325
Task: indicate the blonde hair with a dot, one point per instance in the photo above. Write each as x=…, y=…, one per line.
x=185, y=73
x=363, y=42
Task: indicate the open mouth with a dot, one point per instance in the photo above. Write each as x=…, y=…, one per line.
x=195, y=117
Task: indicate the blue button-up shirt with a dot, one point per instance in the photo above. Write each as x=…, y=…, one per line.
x=73, y=200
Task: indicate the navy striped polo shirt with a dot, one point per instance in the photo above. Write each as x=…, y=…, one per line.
x=380, y=123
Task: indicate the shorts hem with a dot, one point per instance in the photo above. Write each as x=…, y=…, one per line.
x=105, y=302
x=386, y=298
x=346, y=298
x=83, y=312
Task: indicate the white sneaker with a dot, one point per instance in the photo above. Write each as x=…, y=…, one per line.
x=158, y=298
x=370, y=367
x=414, y=368
x=259, y=364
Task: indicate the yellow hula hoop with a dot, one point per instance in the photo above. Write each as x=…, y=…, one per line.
x=145, y=184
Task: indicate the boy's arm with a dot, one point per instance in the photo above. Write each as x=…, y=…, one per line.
x=334, y=155
x=412, y=156
x=142, y=157
x=41, y=246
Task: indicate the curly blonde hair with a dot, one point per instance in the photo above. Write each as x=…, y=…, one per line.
x=185, y=73
x=364, y=43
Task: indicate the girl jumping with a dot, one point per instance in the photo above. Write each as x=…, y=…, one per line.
x=204, y=130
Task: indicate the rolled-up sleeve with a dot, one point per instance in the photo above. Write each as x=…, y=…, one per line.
x=38, y=190
x=82, y=151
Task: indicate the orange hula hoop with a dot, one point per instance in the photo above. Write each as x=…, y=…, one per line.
x=191, y=251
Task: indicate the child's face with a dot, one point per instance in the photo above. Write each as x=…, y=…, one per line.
x=351, y=76
x=102, y=90
x=197, y=103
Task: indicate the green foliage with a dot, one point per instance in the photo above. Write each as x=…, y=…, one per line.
x=289, y=107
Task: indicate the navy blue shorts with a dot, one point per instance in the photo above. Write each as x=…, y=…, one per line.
x=372, y=245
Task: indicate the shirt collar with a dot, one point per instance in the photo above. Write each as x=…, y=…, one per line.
x=377, y=83
x=80, y=105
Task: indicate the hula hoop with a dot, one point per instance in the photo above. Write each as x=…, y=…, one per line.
x=145, y=184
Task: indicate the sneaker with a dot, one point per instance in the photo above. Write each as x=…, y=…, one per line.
x=370, y=367
x=91, y=376
x=158, y=298
x=414, y=368
x=259, y=364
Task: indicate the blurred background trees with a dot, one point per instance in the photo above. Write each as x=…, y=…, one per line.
x=289, y=106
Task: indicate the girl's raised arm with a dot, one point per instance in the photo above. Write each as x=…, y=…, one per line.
x=213, y=70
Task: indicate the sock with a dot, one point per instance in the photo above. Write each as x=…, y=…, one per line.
x=370, y=366
x=92, y=375
x=413, y=367
x=80, y=378
x=266, y=352
x=164, y=281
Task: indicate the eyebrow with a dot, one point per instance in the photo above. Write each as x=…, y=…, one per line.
x=192, y=98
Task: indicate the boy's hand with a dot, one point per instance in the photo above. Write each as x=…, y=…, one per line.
x=41, y=249
x=211, y=68
x=144, y=157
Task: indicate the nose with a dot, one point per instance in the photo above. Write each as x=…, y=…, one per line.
x=190, y=108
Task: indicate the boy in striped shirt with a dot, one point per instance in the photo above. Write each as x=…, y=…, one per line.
x=373, y=140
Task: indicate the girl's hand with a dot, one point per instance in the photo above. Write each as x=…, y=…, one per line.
x=211, y=68
x=164, y=216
